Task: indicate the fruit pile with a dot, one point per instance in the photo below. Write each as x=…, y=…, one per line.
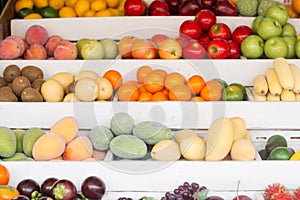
x=277, y=191
x=37, y=9
x=279, y=83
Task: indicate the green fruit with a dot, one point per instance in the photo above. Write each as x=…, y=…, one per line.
x=292, y=151
x=49, y=12
x=8, y=142
x=100, y=137
x=17, y=157
x=121, y=123
x=222, y=82
x=152, y=132
x=232, y=93
x=128, y=147
x=19, y=136
x=79, y=44
x=24, y=12
x=263, y=154
x=275, y=141
x=264, y=5
x=280, y=153
x=247, y=7
x=241, y=88
x=29, y=138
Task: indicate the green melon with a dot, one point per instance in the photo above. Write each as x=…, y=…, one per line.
x=100, y=137
x=247, y=8
x=121, y=123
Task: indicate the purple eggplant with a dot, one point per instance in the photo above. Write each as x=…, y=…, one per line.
x=47, y=185
x=93, y=187
x=64, y=190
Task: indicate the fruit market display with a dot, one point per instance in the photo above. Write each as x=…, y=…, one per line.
x=278, y=191
x=279, y=83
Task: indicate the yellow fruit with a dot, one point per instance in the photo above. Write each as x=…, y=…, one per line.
x=89, y=13
x=193, y=148
x=260, y=85
x=295, y=156
x=273, y=82
x=284, y=73
x=56, y=4
x=52, y=91
x=242, y=150
x=181, y=135
x=33, y=16
x=112, y=3
x=98, y=5
x=258, y=97
x=40, y=3
x=66, y=12
x=115, y=12
x=248, y=136
x=81, y=6
x=239, y=127
x=103, y=13
x=296, y=73
x=70, y=98
x=105, y=89
x=23, y=4
x=70, y=3
x=64, y=78
x=288, y=95
x=166, y=150
x=121, y=6
x=271, y=97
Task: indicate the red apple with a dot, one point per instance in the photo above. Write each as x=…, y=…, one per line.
x=208, y=4
x=182, y=40
x=189, y=8
x=194, y=50
x=134, y=7
x=206, y=19
x=225, y=8
x=235, y=50
x=170, y=49
x=159, y=5
x=190, y=29
x=125, y=46
x=204, y=40
x=220, y=30
x=160, y=12
x=218, y=49
x=157, y=39
x=174, y=6
x=241, y=32
x=241, y=197
x=143, y=49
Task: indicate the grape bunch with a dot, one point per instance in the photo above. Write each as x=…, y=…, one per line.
x=186, y=192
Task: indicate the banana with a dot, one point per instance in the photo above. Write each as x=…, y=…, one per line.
x=260, y=85
x=258, y=97
x=296, y=74
x=273, y=83
x=271, y=97
x=284, y=73
x=287, y=95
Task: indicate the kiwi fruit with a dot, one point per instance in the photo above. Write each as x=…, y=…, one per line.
x=19, y=84
x=31, y=95
x=37, y=84
x=32, y=73
x=7, y=95
x=71, y=88
x=11, y=72
x=3, y=82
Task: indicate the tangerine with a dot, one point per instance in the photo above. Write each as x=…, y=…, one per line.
x=154, y=82
x=296, y=6
x=142, y=73
x=196, y=83
x=128, y=92
x=4, y=175
x=145, y=96
x=160, y=96
x=114, y=77
x=212, y=91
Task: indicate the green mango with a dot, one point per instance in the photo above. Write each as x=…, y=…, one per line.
x=8, y=142
x=19, y=136
x=29, y=138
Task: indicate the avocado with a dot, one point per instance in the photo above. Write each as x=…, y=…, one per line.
x=275, y=141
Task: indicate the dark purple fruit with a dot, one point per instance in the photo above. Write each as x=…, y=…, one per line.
x=45, y=198
x=174, y=6
x=28, y=187
x=64, y=190
x=214, y=198
x=47, y=185
x=93, y=187
x=21, y=197
x=189, y=8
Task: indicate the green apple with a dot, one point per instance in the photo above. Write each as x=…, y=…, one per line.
x=276, y=47
x=111, y=48
x=290, y=41
x=297, y=48
x=79, y=45
x=252, y=46
x=288, y=30
x=255, y=23
x=279, y=13
x=269, y=27
x=93, y=50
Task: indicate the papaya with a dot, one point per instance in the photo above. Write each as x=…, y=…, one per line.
x=242, y=150
x=185, y=133
x=121, y=123
x=152, y=132
x=128, y=147
x=29, y=138
x=8, y=142
x=100, y=137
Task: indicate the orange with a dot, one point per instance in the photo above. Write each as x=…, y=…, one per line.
x=114, y=77
x=142, y=73
x=197, y=98
x=160, y=96
x=33, y=16
x=166, y=91
x=145, y=96
x=81, y=6
x=89, y=13
x=180, y=93
x=98, y=5
x=296, y=6
x=8, y=192
x=173, y=79
x=154, y=82
x=161, y=72
x=291, y=11
x=104, y=13
x=70, y=3
x=196, y=83
x=112, y=3
x=142, y=88
x=66, y=12
x=4, y=175
x=128, y=92
x=212, y=91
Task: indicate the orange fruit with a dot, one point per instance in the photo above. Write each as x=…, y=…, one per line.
x=291, y=11
x=128, y=92
x=296, y=6
x=180, y=93
x=173, y=79
x=114, y=77
x=154, y=82
x=197, y=98
x=142, y=88
x=212, y=91
x=166, y=91
x=196, y=83
x=66, y=12
x=145, y=96
x=4, y=175
x=160, y=96
x=142, y=73
x=161, y=72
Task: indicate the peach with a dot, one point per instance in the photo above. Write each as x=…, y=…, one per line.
x=35, y=52
x=20, y=41
x=78, y=149
x=49, y=146
x=36, y=34
x=52, y=43
x=9, y=49
x=99, y=155
x=67, y=127
x=66, y=51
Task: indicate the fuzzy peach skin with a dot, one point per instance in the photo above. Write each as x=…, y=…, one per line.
x=52, y=43
x=9, y=49
x=35, y=52
x=36, y=34
x=22, y=43
x=66, y=50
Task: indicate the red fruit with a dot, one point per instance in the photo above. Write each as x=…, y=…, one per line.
x=206, y=19
x=241, y=197
x=225, y=8
x=189, y=8
x=276, y=190
x=241, y=32
x=204, y=40
x=159, y=5
x=174, y=6
x=134, y=7
x=220, y=30
x=218, y=49
x=159, y=12
x=235, y=50
x=208, y=4
x=190, y=29
x=194, y=50
x=296, y=194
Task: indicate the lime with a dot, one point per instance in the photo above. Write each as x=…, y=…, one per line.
x=49, y=12
x=24, y=12
x=222, y=82
x=37, y=10
x=280, y=153
x=241, y=87
x=275, y=141
x=232, y=93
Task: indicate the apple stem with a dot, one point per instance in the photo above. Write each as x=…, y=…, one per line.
x=237, y=190
x=213, y=50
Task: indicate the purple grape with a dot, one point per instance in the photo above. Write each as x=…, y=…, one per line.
x=186, y=184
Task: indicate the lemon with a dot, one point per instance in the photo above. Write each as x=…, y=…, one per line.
x=40, y=3
x=33, y=16
x=89, y=13
x=103, y=13
x=23, y=4
x=295, y=156
x=121, y=6
x=56, y=4
x=70, y=3
x=81, y=6
x=66, y=12
x=115, y=12
x=112, y=3
x=98, y=5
